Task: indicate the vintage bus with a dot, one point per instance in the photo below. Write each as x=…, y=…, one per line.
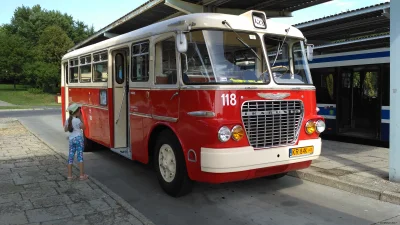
x=197, y=97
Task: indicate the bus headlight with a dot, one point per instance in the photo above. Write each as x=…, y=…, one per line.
x=310, y=127
x=237, y=132
x=320, y=126
x=224, y=134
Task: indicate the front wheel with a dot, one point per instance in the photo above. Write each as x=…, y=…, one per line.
x=170, y=165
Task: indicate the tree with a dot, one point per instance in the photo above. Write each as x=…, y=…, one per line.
x=12, y=55
x=34, y=42
x=31, y=23
x=45, y=70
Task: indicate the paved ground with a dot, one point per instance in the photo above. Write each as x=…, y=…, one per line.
x=40, y=111
x=3, y=103
x=285, y=201
x=33, y=186
x=360, y=169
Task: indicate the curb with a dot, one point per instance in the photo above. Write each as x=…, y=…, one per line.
x=117, y=198
x=385, y=196
x=27, y=109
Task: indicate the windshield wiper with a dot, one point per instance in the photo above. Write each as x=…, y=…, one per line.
x=240, y=40
x=280, y=46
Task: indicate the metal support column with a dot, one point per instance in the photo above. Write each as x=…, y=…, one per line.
x=394, y=139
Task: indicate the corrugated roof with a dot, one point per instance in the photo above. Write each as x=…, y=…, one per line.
x=155, y=10
x=338, y=15
x=345, y=27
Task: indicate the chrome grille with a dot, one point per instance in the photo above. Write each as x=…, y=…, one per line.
x=272, y=123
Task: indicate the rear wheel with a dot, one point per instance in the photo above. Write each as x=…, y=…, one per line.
x=170, y=165
x=88, y=144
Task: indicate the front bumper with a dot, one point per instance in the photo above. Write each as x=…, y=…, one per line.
x=246, y=158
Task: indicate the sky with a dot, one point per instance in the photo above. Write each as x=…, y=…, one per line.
x=101, y=13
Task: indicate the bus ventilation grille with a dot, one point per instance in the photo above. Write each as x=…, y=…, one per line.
x=272, y=123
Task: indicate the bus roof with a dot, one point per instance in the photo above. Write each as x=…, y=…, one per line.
x=242, y=22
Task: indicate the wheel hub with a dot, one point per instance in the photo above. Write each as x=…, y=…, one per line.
x=167, y=163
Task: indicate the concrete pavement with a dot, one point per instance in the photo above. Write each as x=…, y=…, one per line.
x=3, y=103
x=33, y=186
x=260, y=201
x=360, y=169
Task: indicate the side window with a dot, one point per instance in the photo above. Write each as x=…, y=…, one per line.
x=73, y=71
x=119, y=68
x=85, y=68
x=165, y=62
x=66, y=72
x=140, y=62
x=100, y=67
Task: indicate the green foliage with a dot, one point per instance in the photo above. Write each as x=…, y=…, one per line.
x=12, y=54
x=33, y=43
x=35, y=90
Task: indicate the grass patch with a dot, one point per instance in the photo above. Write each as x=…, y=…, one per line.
x=22, y=98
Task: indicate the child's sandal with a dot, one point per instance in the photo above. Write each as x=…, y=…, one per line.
x=71, y=178
x=84, y=177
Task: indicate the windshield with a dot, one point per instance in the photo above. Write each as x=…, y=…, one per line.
x=284, y=69
x=224, y=57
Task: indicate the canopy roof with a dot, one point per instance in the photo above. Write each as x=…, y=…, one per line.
x=362, y=28
x=158, y=10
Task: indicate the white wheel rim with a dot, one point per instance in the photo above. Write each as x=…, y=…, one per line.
x=167, y=163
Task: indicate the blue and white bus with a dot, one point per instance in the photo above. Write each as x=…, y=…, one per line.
x=353, y=92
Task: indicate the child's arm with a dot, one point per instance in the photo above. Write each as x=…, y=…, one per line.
x=66, y=126
x=82, y=123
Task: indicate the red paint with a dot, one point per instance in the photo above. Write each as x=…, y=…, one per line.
x=63, y=108
x=97, y=129
x=192, y=132
x=251, y=174
x=195, y=133
x=139, y=104
x=165, y=103
x=110, y=105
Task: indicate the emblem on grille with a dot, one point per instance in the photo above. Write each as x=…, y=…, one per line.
x=273, y=95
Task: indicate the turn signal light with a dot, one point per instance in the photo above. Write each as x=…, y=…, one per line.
x=237, y=132
x=310, y=127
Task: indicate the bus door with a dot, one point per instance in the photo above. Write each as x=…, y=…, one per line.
x=120, y=89
x=359, y=102
x=165, y=92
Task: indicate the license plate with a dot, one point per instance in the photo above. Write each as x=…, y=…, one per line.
x=293, y=152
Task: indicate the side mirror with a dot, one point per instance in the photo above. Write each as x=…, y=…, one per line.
x=181, y=42
x=310, y=52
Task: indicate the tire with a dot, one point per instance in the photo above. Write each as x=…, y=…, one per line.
x=169, y=152
x=87, y=144
x=276, y=176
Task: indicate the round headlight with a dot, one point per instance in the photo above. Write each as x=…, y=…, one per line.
x=224, y=134
x=320, y=126
x=237, y=132
x=310, y=127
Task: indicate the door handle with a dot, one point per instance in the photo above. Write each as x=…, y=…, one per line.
x=173, y=96
x=147, y=94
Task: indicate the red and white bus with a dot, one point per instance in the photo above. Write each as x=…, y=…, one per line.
x=205, y=97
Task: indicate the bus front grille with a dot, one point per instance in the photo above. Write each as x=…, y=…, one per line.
x=272, y=123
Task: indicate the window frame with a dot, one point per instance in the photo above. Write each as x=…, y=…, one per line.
x=177, y=58
x=90, y=64
x=73, y=66
x=122, y=80
x=100, y=61
x=134, y=56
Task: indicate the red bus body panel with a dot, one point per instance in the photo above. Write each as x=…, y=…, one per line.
x=197, y=132
x=98, y=118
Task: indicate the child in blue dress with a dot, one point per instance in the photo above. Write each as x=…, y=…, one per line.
x=74, y=124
